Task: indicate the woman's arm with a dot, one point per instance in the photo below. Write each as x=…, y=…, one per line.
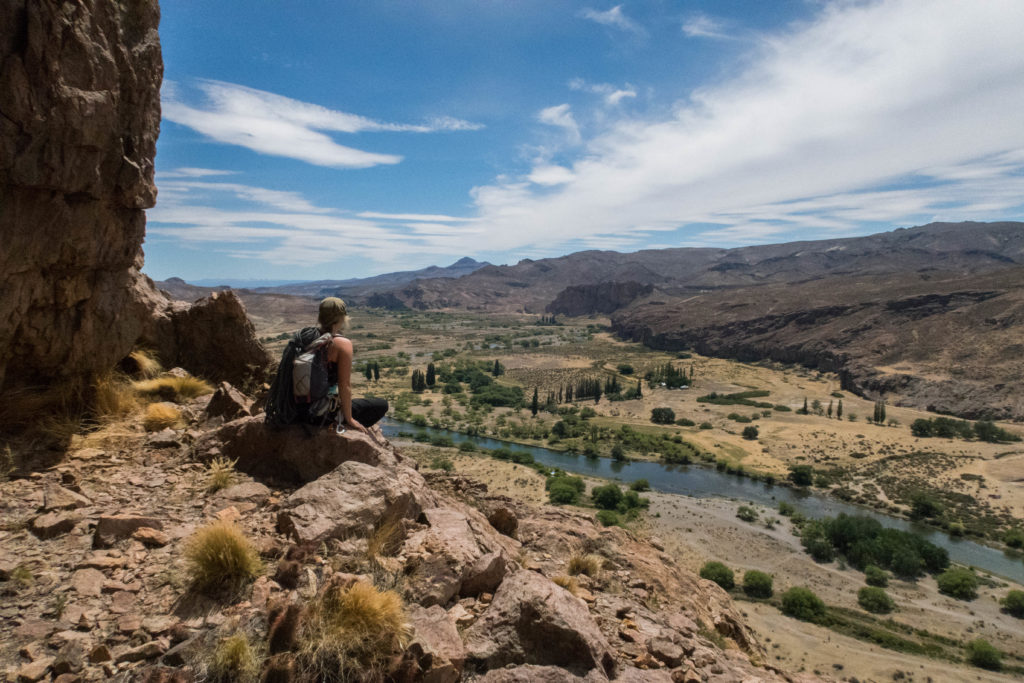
x=341, y=350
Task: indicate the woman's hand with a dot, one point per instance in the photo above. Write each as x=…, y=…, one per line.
x=354, y=424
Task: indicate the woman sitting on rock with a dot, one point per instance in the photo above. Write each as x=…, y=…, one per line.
x=359, y=413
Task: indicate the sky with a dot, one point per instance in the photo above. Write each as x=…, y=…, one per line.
x=336, y=139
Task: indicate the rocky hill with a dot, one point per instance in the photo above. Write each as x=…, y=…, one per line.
x=100, y=586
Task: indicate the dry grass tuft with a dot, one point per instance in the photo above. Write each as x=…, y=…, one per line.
x=352, y=633
x=113, y=397
x=220, y=474
x=171, y=388
x=233, y=660
x=567, y=582
x=160, y=416
x=143, y=363
x=589, y=564
x=386, y=539
x=219, y=555
x=6, y=463
x=22, y=578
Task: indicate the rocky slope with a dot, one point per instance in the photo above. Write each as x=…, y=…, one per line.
x=95, y=589
x=80, y=119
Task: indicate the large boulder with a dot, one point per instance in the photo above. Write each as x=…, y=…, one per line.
x=533, y=621
x=290, y=454
x=351, y=501
x=435, y=653
x=81, y=115
x=458, y=554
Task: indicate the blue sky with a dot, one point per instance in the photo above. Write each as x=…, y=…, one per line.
x=336, y=139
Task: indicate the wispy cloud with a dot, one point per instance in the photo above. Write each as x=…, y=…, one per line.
x=614, y=18
x=561, y=116
x=703, y=26
x=612, y=95
x=272, y=124
x=894, y=112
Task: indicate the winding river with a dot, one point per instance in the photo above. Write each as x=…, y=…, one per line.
x=701, y=481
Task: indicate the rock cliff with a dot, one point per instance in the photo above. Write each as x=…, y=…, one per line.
x=79, y=120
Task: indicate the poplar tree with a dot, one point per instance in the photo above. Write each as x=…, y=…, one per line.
x=431, y=379
x=369, y=372
x=839, y=410
x=376, y=371
x=535, y=403
x=830, y=409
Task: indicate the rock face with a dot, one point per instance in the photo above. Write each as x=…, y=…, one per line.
x=81, y=115
x=604, y=297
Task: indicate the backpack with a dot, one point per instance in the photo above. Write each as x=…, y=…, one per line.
x=299, y=390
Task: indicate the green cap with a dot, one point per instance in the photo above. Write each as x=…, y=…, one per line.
x=332, y=309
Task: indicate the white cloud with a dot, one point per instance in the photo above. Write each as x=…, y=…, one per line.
x=612, y=95
x=919, y=95
x=614, y=18
x=272, y=124
x=425, y=217
x=186, y=172
x=561, y=116
x=703, y=26
x=550, y=175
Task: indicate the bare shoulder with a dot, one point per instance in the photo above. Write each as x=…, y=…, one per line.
x=343, y=344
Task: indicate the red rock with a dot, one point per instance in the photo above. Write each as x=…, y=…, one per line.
x=150, y=650
x=57, y=497
x=88, y=582
x=530, y=673
x=436, y=645
x=34, y=671
x=53, y=524
x=153, y=538
x=534, y=621
x=113, y=528
x=228, y=403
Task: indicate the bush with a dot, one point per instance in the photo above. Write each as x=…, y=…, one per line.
x=618, y=452
x=1013, y=604
x=706, y=425
x=351, y=631
x=563, y=493
x=961, y=584
x=220, y=555
x=685, y=422
x=607, y=497
x=160, y=416
x=750, y=433
x=607, y=517
x=786, y=509
x=923, y=505
x=663, y=416
x=220, y=474
x=171, y=388
x=876, y=576
x=1014, y=538
x=981, y=653
x=747, y=513
x=757, y=584
x=640, y=485
x=467, y=447
x=439, y=462
x=719, y=573
x=589, y=564
x=875, y=600
x=234, y=660
x=801, y=475
x=625, y=369
x=800, y=603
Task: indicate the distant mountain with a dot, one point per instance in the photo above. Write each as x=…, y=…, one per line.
x=354, y=287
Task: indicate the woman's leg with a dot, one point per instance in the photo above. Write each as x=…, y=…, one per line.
x=368, y=411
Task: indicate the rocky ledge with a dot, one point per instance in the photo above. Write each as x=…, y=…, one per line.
x=92, y=569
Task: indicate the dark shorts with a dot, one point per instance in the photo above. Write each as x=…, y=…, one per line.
x=366, y=411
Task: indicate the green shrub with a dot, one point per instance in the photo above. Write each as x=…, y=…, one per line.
x=750, y=433
x=685, y=422
x=1014, y=538
x=981, y=653
x=786, y=509
x=961, y=584
x=757, y=584
x=563, y=493
x=876, y=576
x=467, y=446
x=607, y=517
x=663, y=416
x=719, y=573
x=439, y=462
x=875, y=600
x=607, y=497
x=747, y=513
x=706, y=425
x=801, y=603
x=801, y=475
x=640, y=485
x=1013, y=604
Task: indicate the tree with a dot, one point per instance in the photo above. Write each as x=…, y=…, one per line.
x=719, y=573
x=750, y=433
x=961, y=584
x=923, y=505
x=816, y=407
x=640, y=485
x=535, y=403
x=1013, y=604
x=376, y=371
x=757, y=584
x=663, y=416
x=981, y=653
x=804, y=411
x=619, y=454
x=829, y=410
x=875, y=600
x=800, y=603
x=879, y=415
x=839, y=410
x=875, y=576
x=746, y=513
x=639, y=391
x=419, y=382
x=430, y=379
x=369, y=371
x=607, y=497
x=801, y=475
x=498, y=369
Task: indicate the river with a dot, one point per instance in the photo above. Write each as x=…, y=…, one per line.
x=700, y=481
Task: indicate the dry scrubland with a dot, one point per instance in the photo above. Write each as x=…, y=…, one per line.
x=879, y=465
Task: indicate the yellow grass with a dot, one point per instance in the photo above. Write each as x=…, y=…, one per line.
x=220, y=474
x=234, y=660
x=219, y=555
x=589, y=564
x=567, y=582
x=144, y=364
x=160, y=416
x=173, y=388
x=113, y=396
x=352, y=632
x=386, y=538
